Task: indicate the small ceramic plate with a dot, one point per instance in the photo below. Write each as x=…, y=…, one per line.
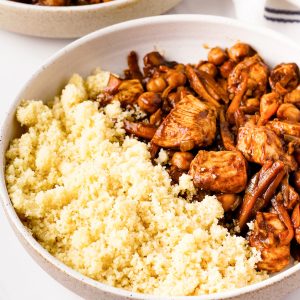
x=75, y=21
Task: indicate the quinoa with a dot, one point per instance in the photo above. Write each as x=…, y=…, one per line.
x=91, y=196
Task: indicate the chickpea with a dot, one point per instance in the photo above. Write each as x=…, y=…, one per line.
x=209, y=68
x=216, y=56
x=175, y=79
x=156, y=85
x=229, y=201
x=252, y=102
x=226, y=68
x=288, y=111
x=149, y=102
x=182, y=160
x=186, y=145
x=239, y=51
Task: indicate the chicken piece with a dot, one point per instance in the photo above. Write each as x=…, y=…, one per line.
x=282, y=128
x=219, y=171
x=145, y=131
x=191, y=123
x=293, y=97
x=269, y=104
x=288, y=112
x=247, y=80
x=266, y=238
x=257, y=77
x=129, y=91
x=284, y=78
x=260, y=144
x=260, y=190
x=230, y=202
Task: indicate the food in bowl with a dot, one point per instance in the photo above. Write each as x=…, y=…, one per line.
x=61, y=2
x=147, y=182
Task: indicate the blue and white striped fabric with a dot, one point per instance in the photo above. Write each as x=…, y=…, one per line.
x=280, y=15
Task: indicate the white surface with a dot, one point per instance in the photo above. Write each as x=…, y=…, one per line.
x=20, y=276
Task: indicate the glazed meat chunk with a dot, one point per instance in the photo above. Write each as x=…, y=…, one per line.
x=256, y=74
x=284, y=78
x=285, y=127
x=293, y=97
x=129, y=91
x=219, y=171
x=191, y=123
x=260, y=144
x=266, y=238
x=248, y=80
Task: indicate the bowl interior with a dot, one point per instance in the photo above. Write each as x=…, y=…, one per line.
x=182, y=37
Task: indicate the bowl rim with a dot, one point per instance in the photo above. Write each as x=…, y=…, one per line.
x=16, y=222
x=75, y=8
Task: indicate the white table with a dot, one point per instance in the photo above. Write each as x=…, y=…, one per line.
x=20, y=276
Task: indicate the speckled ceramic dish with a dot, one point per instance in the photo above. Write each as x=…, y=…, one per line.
x=75, y=21
x=182, y=38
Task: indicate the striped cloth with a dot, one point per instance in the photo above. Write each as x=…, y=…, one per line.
x=280, y=15
x=282, y=11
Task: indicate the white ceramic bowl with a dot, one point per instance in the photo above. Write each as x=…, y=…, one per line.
x=75, y=21
x=182, y=38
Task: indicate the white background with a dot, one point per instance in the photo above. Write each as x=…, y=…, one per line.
x=20, y=56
